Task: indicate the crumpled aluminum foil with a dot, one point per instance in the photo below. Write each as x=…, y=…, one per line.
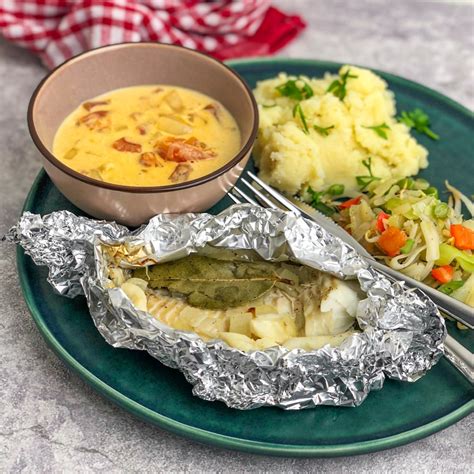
x=402, y=331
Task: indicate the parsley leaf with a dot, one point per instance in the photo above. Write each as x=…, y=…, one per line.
x=418, y=120
x=269, y=106
x=364, y=181
x=324, y=131
x=315, y=195
x=297, y=110
x=380, y=130
x=338, y=86
x=335, y=190
x=316, y=202
x=292, y=90
x=297, y=90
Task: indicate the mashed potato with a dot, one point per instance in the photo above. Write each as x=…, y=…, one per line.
x=290, y=160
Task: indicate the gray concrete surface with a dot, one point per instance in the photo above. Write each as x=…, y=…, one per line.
x=51, y=421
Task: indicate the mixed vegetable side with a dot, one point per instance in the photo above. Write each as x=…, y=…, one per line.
x=406, y=224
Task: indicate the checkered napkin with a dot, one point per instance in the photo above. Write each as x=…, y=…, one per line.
x=59, y=29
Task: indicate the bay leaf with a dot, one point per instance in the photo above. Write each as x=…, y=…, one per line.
x=219, y=284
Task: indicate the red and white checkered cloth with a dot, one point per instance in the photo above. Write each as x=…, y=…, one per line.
x=59, y=29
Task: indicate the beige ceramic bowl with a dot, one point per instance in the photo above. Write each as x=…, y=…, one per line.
x=98, y=71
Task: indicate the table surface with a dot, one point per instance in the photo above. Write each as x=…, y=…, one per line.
x=51, y=421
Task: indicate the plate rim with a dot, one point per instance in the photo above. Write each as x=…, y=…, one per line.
x=335, y=64
x=210, y=437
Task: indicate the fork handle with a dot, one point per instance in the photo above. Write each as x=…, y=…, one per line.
x=456, y=309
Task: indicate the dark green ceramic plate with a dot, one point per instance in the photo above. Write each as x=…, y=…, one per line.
x=398, y=414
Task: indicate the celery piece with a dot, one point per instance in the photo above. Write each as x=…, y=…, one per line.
x=393, y=203
x=448, y=253
x=466, y=262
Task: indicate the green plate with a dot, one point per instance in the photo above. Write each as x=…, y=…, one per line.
x=398, y=414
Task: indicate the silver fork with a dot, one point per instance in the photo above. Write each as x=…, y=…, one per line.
x=456, y=353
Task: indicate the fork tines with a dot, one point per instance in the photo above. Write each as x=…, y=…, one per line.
x=237, y=195
x=267, y=196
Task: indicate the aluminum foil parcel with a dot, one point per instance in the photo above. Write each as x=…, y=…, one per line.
x=401, y=333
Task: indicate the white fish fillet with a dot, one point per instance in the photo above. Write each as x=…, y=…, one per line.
x=318, y=317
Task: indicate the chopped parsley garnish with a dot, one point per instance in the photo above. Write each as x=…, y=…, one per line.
x=324, y=131
x=297, y=110
x=418, y=120
x=322, y=200
x=293, y=90
x=338, y=86
x=364, y=181
x=297, y=90
x=380, y=130
x=335, y=189
x=317, y=203
x=268, y=106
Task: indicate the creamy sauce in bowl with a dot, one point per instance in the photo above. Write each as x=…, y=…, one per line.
x=153, y=135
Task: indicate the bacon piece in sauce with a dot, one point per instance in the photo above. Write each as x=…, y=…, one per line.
x=143, y=128
x=150, y=158
x=90, y=105
x=180, y=173
x=123, y=145
x=180, y=150
x=94, y=120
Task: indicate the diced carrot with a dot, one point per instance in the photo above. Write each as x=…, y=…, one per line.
x=380, y=225
x=392, y=240
x=443, y=274
x=350, y=202
x=463, y=237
